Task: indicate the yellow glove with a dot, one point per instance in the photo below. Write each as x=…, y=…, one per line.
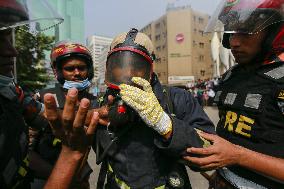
x=145, y=103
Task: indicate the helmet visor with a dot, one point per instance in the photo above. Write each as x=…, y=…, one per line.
x=246, y=16
x=37, y=15
x=121, y=66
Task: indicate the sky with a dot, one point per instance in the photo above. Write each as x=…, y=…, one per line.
x=111, y=17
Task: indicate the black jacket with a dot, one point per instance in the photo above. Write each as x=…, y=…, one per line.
x=251, y=115
x=14, y=137
x=141, y=157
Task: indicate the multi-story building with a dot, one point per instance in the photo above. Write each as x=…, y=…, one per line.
x=71, y=29
x=99, y=47
x=183, y=51
x=222, y=57
x=73, y=26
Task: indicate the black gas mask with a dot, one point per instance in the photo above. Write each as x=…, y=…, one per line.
x=120, y=114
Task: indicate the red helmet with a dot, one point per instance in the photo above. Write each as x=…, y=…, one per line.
x=246, y=16
x=64, y=50
x=250, y=16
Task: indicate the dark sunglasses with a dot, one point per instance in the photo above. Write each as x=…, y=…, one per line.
x=72, y=68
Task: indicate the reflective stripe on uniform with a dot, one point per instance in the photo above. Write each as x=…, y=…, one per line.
x=56, y=141
x=26, y=161
x=123, y=185
x=237, y=181
x=22, y=171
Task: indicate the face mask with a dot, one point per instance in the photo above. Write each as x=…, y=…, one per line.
x=78, y=85
x=6, y=81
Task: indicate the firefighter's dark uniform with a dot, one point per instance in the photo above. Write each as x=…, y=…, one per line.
x=141, y=158
x=251, y=105
x=16, y=110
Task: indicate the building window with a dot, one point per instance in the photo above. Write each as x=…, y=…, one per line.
x=195, y=30
x=200, y=20
x=158, y=37
x=157, y=26
x=194, y=43
x=201, y=58
x=194, y=18
x=158, y=60
x=201, y=45
x=201, y=32
x=158, y=48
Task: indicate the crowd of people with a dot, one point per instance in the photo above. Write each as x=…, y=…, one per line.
x=145, y=134
x=204, y=91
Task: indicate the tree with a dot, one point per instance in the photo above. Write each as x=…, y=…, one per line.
x=31, y=69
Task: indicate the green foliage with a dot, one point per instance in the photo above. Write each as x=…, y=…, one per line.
x=31, y=70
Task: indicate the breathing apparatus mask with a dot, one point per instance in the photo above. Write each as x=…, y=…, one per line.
x=129, y=57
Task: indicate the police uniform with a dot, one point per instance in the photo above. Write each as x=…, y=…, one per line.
x=138, y=157
x=251, y=115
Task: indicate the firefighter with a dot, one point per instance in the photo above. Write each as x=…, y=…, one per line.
x=149, y=126
x=73, y=68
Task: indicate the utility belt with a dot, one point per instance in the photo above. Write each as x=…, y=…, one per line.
x=120, y=184
x=226, y=179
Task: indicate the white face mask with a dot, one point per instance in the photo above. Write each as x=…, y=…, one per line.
x=78, y=85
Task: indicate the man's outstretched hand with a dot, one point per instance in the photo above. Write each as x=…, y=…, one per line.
x=69, y=126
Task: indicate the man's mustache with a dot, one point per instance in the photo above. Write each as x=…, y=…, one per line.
x=79, y=78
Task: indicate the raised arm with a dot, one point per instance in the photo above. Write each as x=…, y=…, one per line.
x=76, y=139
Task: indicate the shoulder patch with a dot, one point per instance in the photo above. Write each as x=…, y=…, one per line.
x=281, y=95
x=275, y=73
x=280, y=99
